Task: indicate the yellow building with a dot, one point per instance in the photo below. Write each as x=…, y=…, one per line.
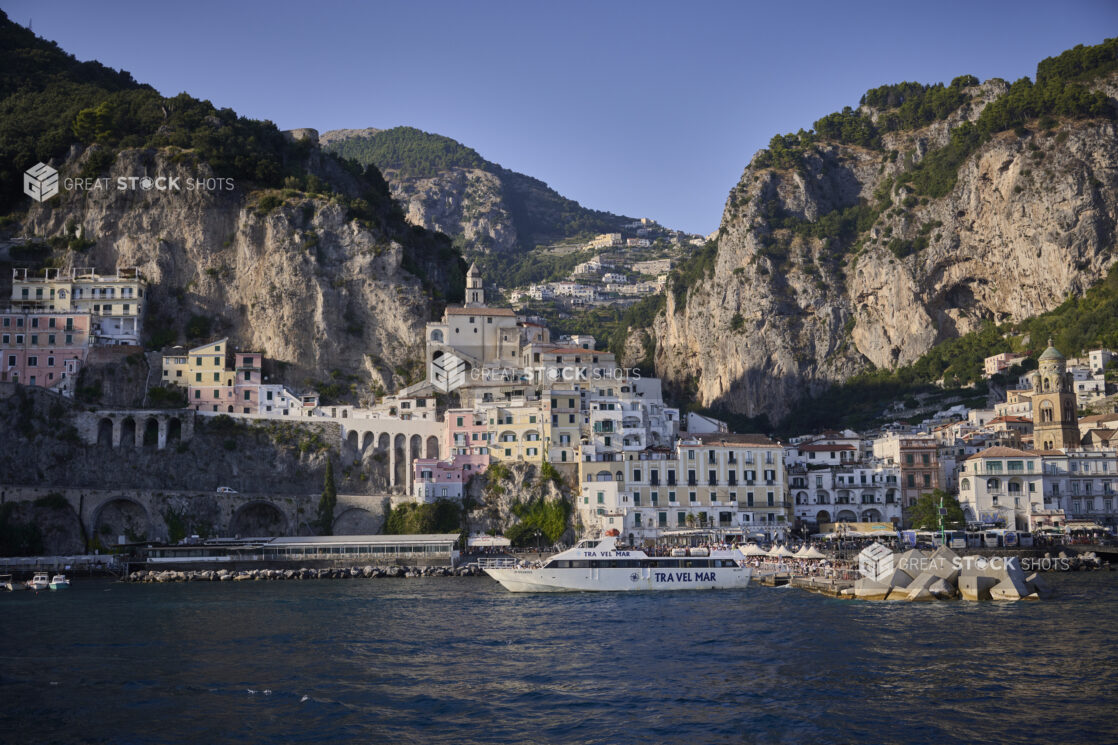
x=114, y=301
x=516, y=431
x=203, y=371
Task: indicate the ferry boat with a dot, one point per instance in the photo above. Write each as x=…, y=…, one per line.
x=38, y=582
x=59, y=582
x=594, y=565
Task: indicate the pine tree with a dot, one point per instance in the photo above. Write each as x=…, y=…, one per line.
x=327, y=502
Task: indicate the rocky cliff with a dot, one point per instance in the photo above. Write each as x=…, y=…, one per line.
x=445, y=186
x=839, y=264
x=328, y=295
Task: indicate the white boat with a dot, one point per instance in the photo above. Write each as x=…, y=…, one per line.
x=7, y=583
x=59, y=582
x=600, y=566
x=38, y=582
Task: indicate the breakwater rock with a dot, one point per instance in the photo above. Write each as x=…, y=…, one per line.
x=250, y=575
x=917, y=576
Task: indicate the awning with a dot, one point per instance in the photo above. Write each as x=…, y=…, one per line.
x=488, y=541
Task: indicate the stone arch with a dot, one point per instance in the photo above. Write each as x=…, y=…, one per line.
x=151, y=432
x=105, y=432
x=368, y=439
x=618, y=476
x=229, y=409
x=993, y=483
x=128, y=432
x=352, y=440
x=846, y=516
x=822, y=497
x=822, y=516
x=437, y=336
x=432, y=447
x=415, y=450
x=357, y=521
x=121, y=516
x=174, y=430
x=258, y=518
x=871, y=516
x=507, y=436
x=801, y=498
x=603, y=476
x=399, y=448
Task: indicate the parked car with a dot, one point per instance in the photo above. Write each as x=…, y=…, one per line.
x=226, y=490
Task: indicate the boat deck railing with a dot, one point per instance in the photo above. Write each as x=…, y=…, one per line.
x=497, y=562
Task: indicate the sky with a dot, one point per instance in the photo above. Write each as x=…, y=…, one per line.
x=647, y=109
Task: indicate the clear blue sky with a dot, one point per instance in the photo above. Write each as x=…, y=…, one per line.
x=650, y=109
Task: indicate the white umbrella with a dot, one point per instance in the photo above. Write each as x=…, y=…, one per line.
x=753, y=550
x=813, y=553
x=781, y=552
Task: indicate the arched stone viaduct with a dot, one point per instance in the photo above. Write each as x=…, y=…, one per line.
x=107, y=515
x=400, y=440
x=135, y=427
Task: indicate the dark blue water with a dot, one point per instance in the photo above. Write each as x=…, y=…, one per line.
x=459, y=660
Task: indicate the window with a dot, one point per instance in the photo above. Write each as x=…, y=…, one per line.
x=32, y=361
x=662, y=519
x=601, y=497
x=217, y=377
x=681, y=518
x=197, y=394
x=692, y=497
x=50, y=340
x=248, y=395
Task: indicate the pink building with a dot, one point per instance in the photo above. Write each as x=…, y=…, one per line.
x=247, y=381
x=42, y=347
x=467, y=433
x=445, y=479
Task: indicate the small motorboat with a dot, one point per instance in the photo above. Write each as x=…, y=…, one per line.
x=59, y=582
x=7, y=583
x=38, y=582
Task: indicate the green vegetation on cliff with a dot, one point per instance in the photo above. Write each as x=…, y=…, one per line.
x=1057, y=92
x=441, y=516
x=410, y=151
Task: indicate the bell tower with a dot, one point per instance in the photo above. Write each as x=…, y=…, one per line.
x=1055, y=424
x=475, y=288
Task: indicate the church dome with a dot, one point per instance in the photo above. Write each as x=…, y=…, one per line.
x=1051, y=353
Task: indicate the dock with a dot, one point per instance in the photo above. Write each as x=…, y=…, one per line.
x=823, y=585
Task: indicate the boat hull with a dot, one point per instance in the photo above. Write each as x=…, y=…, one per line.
x=516, y=579
x=60, y=585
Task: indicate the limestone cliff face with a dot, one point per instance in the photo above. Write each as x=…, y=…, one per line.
x=465, y=202
x=785, y=313
x=301, y=281
x=485, y=208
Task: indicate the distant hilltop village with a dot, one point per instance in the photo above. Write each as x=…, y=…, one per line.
x=516, y=395
x=623, y=271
